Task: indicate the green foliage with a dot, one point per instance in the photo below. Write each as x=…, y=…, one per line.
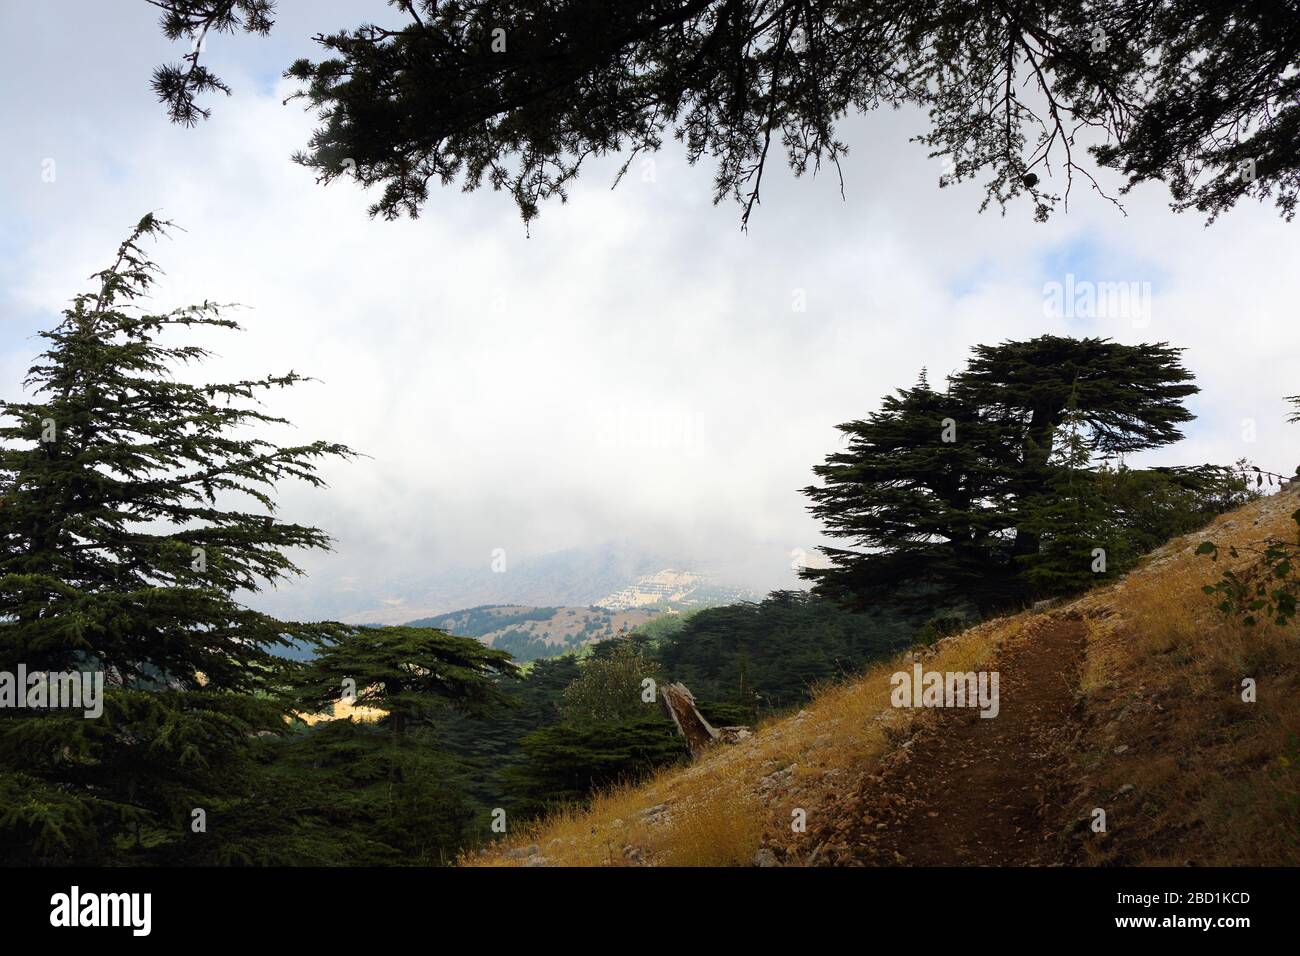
x=477, y=621
x=998, y=490
x=1154, y=505
x=517, y=94
x=345, y=794
x=120, y=553
x=609, y=688
x=605, y=733
x=565, y=763
x=667, y=625
x=770, y=655
x=407, y=672
x=486, y=746
x=178, y=84
x=523, y=646
x=1267, y=588
x=927, y=508
x=944, y=624
x=1097, y=523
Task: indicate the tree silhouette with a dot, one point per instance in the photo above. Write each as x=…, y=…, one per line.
x=123, y=551
x=517, y=94
x=983, y=494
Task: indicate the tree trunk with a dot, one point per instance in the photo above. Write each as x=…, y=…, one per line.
x=1036, y=454
x=690, y=723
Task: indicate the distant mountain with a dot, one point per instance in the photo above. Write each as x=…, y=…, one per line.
x=675, y=590
x=530, y=633
x=615, y=575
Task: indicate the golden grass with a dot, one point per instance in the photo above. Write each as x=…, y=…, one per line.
x=342, y=710
x=1216, y=780
x=1213, y=780
x=715, y=812
x=718, y=828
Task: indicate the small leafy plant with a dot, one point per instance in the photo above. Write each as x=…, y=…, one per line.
x=1267, y=589
x=1285, y=774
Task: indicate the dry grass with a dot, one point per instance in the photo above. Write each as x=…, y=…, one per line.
x=1214, y=778
x=720, y=810
x=718, y=828
x=342, y=710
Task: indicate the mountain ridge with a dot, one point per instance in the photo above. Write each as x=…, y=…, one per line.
x=532, y=633
x=574, y=577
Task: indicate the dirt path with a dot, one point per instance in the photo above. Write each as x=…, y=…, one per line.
x=968, y=790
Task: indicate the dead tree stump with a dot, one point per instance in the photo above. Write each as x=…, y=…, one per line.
x=690, y=723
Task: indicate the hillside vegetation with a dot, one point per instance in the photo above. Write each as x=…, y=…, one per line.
x=532, y=633
x=122, y=558
x=1153, y=730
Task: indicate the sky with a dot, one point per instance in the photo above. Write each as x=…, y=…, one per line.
x=632, y=368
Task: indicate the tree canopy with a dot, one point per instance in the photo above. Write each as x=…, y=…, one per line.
x=406, y=672
x=1010, y=483
x=123, y=552
x=1025, y=94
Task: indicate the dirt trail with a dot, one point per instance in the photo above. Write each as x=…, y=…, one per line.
x=967, y=790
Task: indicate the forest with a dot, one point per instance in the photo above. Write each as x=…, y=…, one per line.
x=126, y=544
x=155, y=713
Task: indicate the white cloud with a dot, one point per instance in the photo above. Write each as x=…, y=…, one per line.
x=636, y=368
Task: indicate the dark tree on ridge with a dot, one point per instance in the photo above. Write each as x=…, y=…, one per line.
x=952, y=496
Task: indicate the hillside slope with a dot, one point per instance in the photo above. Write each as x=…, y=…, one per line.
x=1127, y=700
x=530, y=633
x=679, y=590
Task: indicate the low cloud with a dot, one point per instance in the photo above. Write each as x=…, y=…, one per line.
x=637, y=369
